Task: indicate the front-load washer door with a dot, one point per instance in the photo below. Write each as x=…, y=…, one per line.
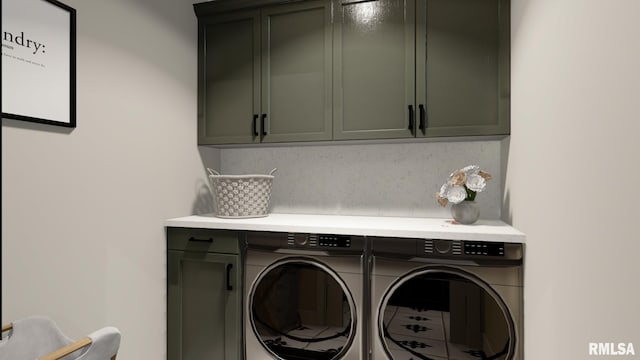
x=301, y=309
x=441, y=312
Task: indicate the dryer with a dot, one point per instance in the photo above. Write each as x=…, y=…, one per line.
x=303, y=296
x=446, y=299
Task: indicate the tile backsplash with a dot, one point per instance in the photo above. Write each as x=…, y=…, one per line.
x=396, y=179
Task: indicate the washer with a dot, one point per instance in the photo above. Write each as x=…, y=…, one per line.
x=303, y=296
x=446, y=299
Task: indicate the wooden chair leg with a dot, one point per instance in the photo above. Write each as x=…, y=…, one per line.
x=114, y=357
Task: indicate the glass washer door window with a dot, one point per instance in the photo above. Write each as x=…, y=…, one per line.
x=301, y=309
x=445, y=313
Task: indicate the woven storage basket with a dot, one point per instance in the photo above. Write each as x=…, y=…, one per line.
x=241, y=196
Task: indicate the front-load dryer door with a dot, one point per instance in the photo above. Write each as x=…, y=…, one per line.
x=443, y=312
x=301, y=309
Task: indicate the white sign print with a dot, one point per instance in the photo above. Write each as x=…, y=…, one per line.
x=38, y=61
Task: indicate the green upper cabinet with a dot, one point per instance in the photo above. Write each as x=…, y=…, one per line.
x=229, y=78
x=296, y=72
x=287, y=71
x=420, y=68
x=265, y=75
x=374, y=69
x=462, y=67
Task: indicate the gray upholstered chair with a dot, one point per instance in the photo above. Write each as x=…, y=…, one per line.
x=39, y=338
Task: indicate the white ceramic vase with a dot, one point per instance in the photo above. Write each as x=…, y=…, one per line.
x=466, y=212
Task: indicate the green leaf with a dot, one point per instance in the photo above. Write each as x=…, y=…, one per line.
x=471, y=195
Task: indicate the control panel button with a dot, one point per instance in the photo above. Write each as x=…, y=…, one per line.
x=443, y=246
x=301, y=239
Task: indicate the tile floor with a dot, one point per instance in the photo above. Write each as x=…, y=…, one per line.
x=412, y=335
x=423, y=335
x=329, y=346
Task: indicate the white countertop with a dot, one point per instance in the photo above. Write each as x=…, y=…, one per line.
x=403, y=227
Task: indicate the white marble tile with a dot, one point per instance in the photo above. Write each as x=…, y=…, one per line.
x=284, y=341
x=307, y=331
x=330, y=331
x=327, y=345
x=418, y=330
x=368, y=179
x=389, y=314
x=461, y=352
x=427, y=347
x=446, y=321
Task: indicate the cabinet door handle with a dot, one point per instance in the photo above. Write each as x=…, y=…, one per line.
x=255, y=125
x=209, y=240
x=263, y=124
x=411, y=121
x=423, y=119
x=229, y=286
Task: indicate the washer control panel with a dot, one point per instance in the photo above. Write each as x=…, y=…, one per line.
x=483, y=248
x=322, y=241
x=334, y=241
x=500, y=253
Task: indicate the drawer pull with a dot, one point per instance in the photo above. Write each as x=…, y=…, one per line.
x=263, y=123
x=411, y=120
x=209, y=240
x=423, y=119
x=229, y=286
x=255, y=125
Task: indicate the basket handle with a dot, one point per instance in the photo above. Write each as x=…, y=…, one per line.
x=214, y=173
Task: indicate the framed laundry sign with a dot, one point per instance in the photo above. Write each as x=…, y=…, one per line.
x=39, y=62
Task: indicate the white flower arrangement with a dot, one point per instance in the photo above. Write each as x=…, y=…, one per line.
x=463, y=185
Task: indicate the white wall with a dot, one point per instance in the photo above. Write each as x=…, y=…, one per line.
x=82, y=211
x=572, y=171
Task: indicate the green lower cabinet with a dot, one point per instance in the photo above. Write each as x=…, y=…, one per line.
x=203, y=295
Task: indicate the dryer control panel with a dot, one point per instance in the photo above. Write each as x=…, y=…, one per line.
x=444, y=249
x=476, y=248
x=483, y=248
x=471, y=249
x=328, y=242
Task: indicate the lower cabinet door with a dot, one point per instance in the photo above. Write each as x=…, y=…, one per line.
x=203, y=306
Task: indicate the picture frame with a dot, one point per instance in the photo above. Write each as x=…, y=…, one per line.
x=39, y=62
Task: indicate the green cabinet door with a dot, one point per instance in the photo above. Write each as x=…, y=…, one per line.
x=296, y=72
x=374, y=69
x=265, y=75
x=203, y=296
x=228, y=78
x=462, y=66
